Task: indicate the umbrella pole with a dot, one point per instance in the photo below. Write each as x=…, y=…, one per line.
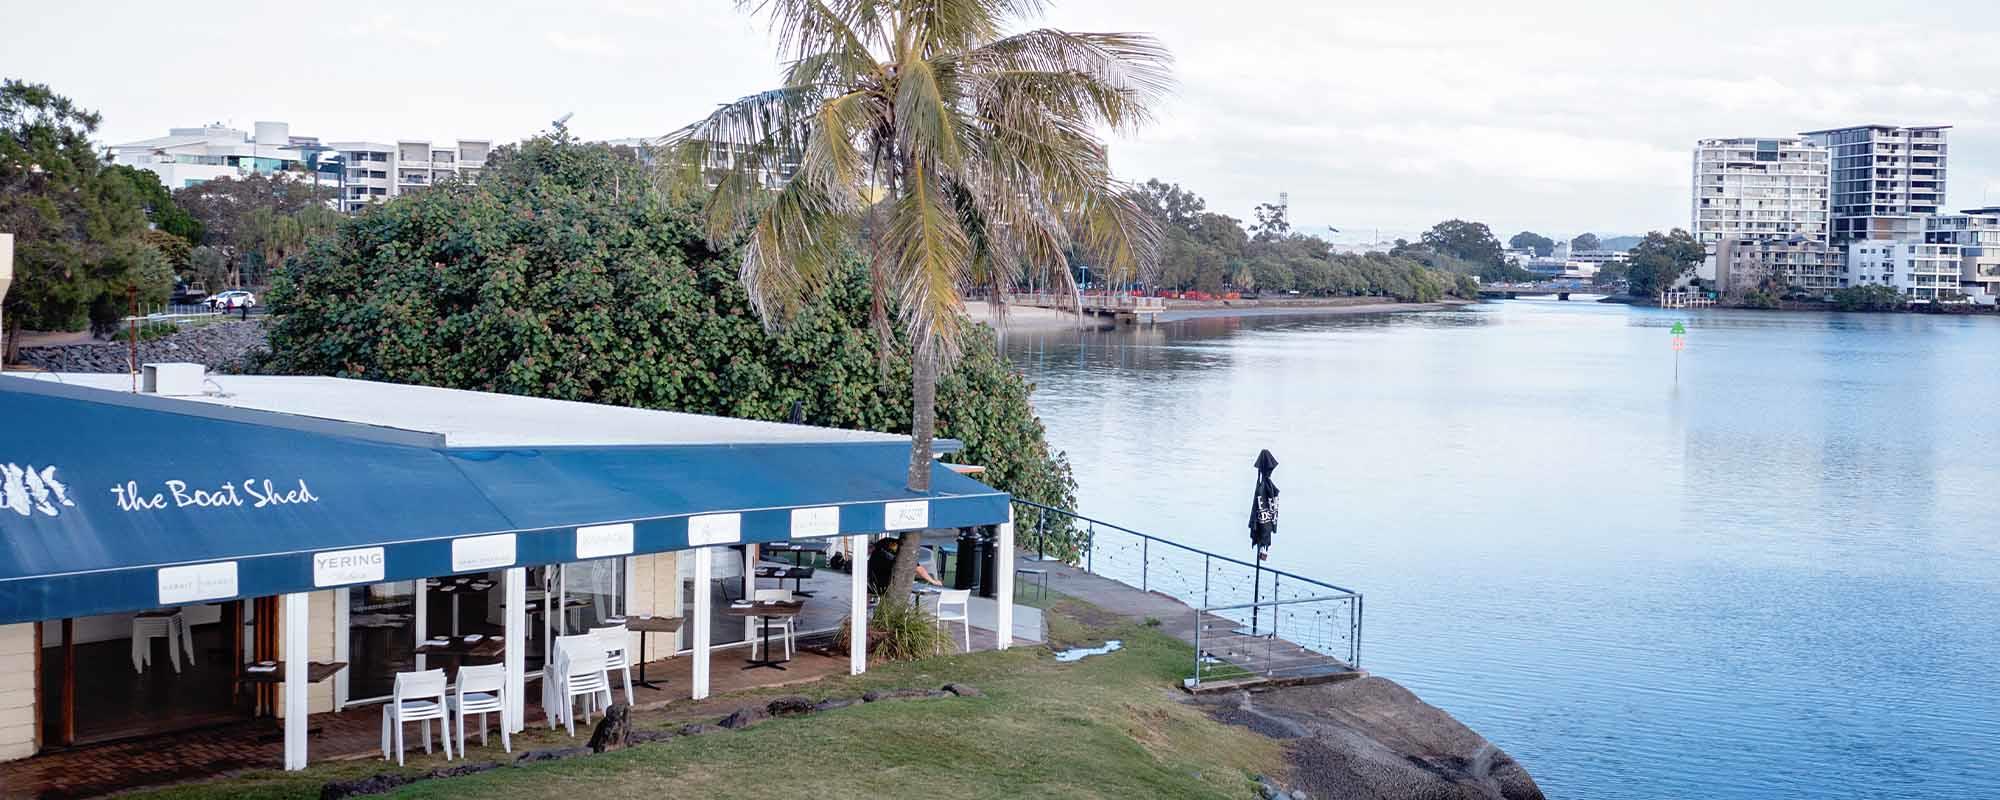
x=1256, y=586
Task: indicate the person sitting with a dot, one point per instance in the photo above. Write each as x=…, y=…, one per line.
x=882, y=562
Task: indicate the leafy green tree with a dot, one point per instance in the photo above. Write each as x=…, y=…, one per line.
x=562, y=274
x=161, y=210
x=78, y=246
x=1586, y=241
x=1470, y=241
x=1272, y=222
x=1660, y=260
x=981, y=146
x=253, y=218
x=1528, y=240
x=1173, y=206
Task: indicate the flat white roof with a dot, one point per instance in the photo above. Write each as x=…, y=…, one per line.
x=482, y=419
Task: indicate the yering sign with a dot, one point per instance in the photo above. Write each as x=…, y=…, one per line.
x=343, y=567
x=254, y=493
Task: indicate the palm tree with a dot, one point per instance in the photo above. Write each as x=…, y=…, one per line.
x=968, y=158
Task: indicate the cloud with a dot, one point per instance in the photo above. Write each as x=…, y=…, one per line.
x=589, y=44
x=388, y=27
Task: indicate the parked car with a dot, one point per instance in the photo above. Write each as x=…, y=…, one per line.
x=188, y=295
x=231, y=300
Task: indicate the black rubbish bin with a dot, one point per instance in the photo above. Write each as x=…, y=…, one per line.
x=967, y=569
x=989, y=566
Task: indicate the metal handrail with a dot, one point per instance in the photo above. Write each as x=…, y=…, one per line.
x=1194, y=550
x=1088, y=555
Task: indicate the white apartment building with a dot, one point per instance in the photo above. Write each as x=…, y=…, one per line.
x=1765, y=198
x=187, y=156
x=377, y=171
x=1976, y=232
x=372, y=171
x=1747, y=188
x=1884, y=176
x=1921, y=271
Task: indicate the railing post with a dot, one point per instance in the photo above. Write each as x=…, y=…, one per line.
x=1198, y=613
x=1275, y=605
x=1204, y=583
x=1090, y=556
x=1145, y=564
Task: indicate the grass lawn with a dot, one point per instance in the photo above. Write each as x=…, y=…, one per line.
x=1106, y=726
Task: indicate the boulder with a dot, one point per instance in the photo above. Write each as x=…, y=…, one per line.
x=743, y=718
x=463, y=769
x=790, y=706
x=373, y=784
x=1371, y=739
x=832, y=703
x=556, y=754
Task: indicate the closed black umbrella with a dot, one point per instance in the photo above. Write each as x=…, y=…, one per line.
x=1263, y=524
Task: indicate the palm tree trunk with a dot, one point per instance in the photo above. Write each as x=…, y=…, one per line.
x=923, y=427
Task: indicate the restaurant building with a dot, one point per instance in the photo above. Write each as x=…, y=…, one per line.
x=160, y=533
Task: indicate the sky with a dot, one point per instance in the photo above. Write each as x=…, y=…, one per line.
x=1556, y=117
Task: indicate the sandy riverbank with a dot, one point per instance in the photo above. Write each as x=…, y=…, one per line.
x=1043, y=319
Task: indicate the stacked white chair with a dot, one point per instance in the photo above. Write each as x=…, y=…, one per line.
x=419, y=697
x=584, y=678
x=145, y=630
x=783, y=625
x=952, y=605
x=617, y=643
x=481, y=690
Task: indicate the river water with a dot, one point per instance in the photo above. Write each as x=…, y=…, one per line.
x=1775, y=574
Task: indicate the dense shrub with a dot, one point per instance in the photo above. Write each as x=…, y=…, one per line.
x=564, y=274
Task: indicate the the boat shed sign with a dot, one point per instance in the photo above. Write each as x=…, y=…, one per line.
x=250, y=493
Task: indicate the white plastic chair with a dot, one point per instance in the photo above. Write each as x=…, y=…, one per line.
x=144, y=631
x=783, y=625
x=617, y=643
x=952, y=605
x=585, y=678
x=556, y=700
x=481, y=690
x=419, y=697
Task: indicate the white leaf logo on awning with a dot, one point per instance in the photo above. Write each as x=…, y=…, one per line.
x=26, y=490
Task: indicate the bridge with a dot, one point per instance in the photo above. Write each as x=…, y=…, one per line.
x=1561, y=290
x=1124, y=308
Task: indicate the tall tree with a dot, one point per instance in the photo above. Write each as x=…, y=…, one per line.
x=1471, y=241
x=1529, y=240
x=1659, y=260
x=978, y=151
x=1586, y=241
x=78, y=249
x=1272, y=222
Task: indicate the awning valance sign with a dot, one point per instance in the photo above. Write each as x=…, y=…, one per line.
x=128, y=503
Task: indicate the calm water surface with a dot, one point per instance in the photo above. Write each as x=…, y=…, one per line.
x=1775, y=577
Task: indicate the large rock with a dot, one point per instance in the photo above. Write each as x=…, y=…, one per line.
x=1371, y=739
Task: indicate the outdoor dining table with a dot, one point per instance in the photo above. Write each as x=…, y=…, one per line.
x=782, y=574
x=650, y=624
x=273, y=672
x=460, y=648
x=798, y=551
x=457, y=586
x=764, y=613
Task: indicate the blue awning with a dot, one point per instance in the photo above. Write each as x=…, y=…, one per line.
x=113, y=502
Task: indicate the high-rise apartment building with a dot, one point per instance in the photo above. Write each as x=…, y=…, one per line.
x=1884, y=178
x=187, y=156
x=1761, y=207
x=1759, y=189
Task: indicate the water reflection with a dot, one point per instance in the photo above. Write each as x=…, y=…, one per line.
x=1742, y=577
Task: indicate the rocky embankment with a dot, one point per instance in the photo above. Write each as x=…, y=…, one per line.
x=222, y=346
x=1372, y=739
